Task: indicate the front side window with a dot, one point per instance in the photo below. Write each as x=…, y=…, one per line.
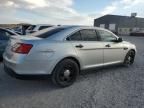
x=106, y=36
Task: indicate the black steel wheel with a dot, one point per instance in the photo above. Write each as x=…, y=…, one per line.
x=129, y=59
x=65, y=73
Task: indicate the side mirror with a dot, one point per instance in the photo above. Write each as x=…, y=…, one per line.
x=119, y=39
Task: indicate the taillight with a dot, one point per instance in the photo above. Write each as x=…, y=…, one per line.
x=22, y=48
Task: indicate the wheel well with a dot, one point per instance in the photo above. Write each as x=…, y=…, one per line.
x=133, y=50
x=74, y=59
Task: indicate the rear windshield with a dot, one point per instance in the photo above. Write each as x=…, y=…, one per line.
x=44, y=27
x=47, y=32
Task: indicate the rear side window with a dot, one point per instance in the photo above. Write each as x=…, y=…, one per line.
x=84, y=35
x=48, y=33
x=75, y=37
x=89, y=35
x=44, y=27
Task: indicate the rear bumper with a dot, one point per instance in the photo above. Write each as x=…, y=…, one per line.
x=29, y=67
x=10, y=72
x=13, y=74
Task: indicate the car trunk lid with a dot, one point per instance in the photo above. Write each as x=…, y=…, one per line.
x=19, y=47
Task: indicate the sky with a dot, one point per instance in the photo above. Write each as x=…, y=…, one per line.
x=65, y=12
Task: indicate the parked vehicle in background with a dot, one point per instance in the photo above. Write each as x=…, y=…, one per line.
x=35, y=28
x=17, y=30
x=21, y=29
x=14, y=31
x=137, y=33
x=63, y=51
x=24, y=27
x=5, y=34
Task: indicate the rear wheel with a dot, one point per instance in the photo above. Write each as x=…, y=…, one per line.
x=129, y=59
x=65, y=73
x=1, y=59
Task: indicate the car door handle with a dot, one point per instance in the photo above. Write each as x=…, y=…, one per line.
x=79, y=46
x=108, y=45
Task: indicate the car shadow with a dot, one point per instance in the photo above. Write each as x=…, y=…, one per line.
x=11, y=87
x=103, y=70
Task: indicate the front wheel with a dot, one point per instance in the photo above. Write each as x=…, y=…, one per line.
x=65, y=73
x=129, y=59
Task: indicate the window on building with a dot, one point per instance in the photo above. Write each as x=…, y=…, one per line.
x=112, y=27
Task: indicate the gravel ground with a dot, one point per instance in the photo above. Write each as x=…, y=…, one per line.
x=114, y=87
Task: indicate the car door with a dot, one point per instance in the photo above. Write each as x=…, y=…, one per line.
x=4, y=36
x=113, y=51
x=88, y=48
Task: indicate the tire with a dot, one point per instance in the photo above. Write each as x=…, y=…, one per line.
x=129, y=59
x=65, y=73
x=1, y=59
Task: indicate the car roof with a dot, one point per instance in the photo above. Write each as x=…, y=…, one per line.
x=68, y=30
x=81, y=27
x=43, y=25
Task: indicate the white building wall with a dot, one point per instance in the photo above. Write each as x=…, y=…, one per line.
x=102, y=25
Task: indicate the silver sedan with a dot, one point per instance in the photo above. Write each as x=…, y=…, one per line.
x=64, y=51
